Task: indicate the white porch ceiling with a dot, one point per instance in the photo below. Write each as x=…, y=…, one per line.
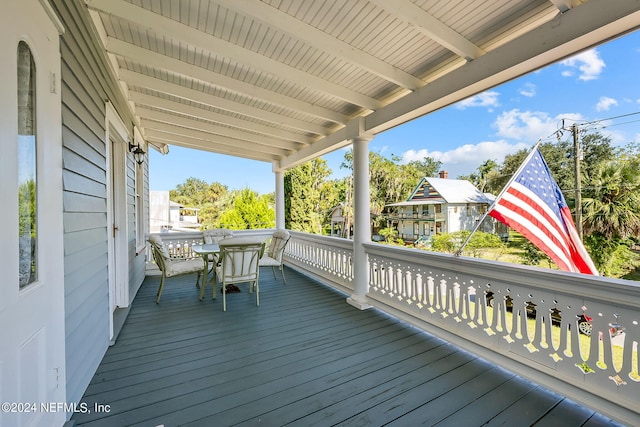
x=283, y=81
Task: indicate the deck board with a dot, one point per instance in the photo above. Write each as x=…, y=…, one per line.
x=303, y=357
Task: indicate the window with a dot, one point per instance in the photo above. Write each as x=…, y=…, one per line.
x=139, y=208
x=27, y=178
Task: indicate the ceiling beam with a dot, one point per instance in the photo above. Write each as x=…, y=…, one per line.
x=161, y=130
x=159, y=24
x=212, y=148
x=424, y=22
x=322, y=41
x=163, y=86
x=161, y=62
x=188, y=122
x=212, y=116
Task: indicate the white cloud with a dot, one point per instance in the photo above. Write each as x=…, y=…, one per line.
x=484, y=99
x=529, y=126
x=529, y=90
x=588, y=63
x=605, y=103
x=465, y=159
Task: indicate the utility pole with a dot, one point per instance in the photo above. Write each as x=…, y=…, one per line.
x=577, y=155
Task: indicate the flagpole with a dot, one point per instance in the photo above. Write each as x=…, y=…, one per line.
x=515, y=174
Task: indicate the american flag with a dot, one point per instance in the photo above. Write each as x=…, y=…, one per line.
x=533, y=205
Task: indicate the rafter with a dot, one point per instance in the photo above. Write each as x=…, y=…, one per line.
x=153, y=59
x=159, y=24
x=189, y=122
x=161, y=130
x=212, y=116
x=322, y=41
x=430, y=27
x=158, y=85
x=210, y=147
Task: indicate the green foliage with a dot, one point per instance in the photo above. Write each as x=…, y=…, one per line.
x=532, y=255
x=486, y=178
x=479, y=243
x=611, y=213
x=308, y=198
x=249, y=211
x=445, y=242
x=212, y=199
x=232, y=219
x=27, y=208
x=389, y=234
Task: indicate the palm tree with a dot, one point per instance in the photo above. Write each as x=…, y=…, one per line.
x=611, y=209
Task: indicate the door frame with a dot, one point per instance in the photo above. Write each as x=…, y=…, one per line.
x=116, y=137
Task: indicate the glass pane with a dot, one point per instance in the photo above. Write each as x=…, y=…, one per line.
x=27, y=209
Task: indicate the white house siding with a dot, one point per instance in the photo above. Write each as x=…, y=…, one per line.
x=86, y=84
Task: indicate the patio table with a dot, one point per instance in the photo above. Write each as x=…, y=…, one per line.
x=204, y=251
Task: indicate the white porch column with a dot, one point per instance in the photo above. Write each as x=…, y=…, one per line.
x=361, y=221
x=279, y=199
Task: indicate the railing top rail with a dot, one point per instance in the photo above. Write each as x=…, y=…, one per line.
x=616, y=291
x=331, y=240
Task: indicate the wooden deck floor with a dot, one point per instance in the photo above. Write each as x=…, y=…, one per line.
x=304, y=357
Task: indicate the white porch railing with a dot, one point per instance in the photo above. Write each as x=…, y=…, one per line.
x=528, y=326
x=325, y=258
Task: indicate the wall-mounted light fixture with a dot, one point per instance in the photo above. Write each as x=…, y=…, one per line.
x=138, y=153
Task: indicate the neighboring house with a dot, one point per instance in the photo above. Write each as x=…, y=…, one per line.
x=440, y=205
x=168, y=215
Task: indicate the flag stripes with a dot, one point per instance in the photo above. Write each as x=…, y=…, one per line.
x=533, y=205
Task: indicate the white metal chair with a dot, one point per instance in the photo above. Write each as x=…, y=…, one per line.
x=238, y=263
x=172, y=266
x=215, y=236
x=273, y=256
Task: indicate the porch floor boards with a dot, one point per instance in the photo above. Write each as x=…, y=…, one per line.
x=304, y=357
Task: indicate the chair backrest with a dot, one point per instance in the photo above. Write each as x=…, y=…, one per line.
x=278, y=243
x=239, y=261
x=159, y=251
x=215, y=235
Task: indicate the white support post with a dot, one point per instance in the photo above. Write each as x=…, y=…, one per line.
x=361, y=221
x=279, y=199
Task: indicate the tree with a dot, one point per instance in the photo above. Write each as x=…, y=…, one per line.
x=196, y=193
x=192, y=193
x=486, y=177
x=304, y=188
x=611, y=210
x=389, y=234
x=249, y=211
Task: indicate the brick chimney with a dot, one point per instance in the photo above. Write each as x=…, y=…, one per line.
x=444, y=174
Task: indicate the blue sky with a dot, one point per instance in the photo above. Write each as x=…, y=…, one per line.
x=600, y=83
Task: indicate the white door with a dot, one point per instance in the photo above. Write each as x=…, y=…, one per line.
x=32, y=358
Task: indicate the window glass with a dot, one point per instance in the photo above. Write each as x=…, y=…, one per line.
x=27, y=178
x=139, y=206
